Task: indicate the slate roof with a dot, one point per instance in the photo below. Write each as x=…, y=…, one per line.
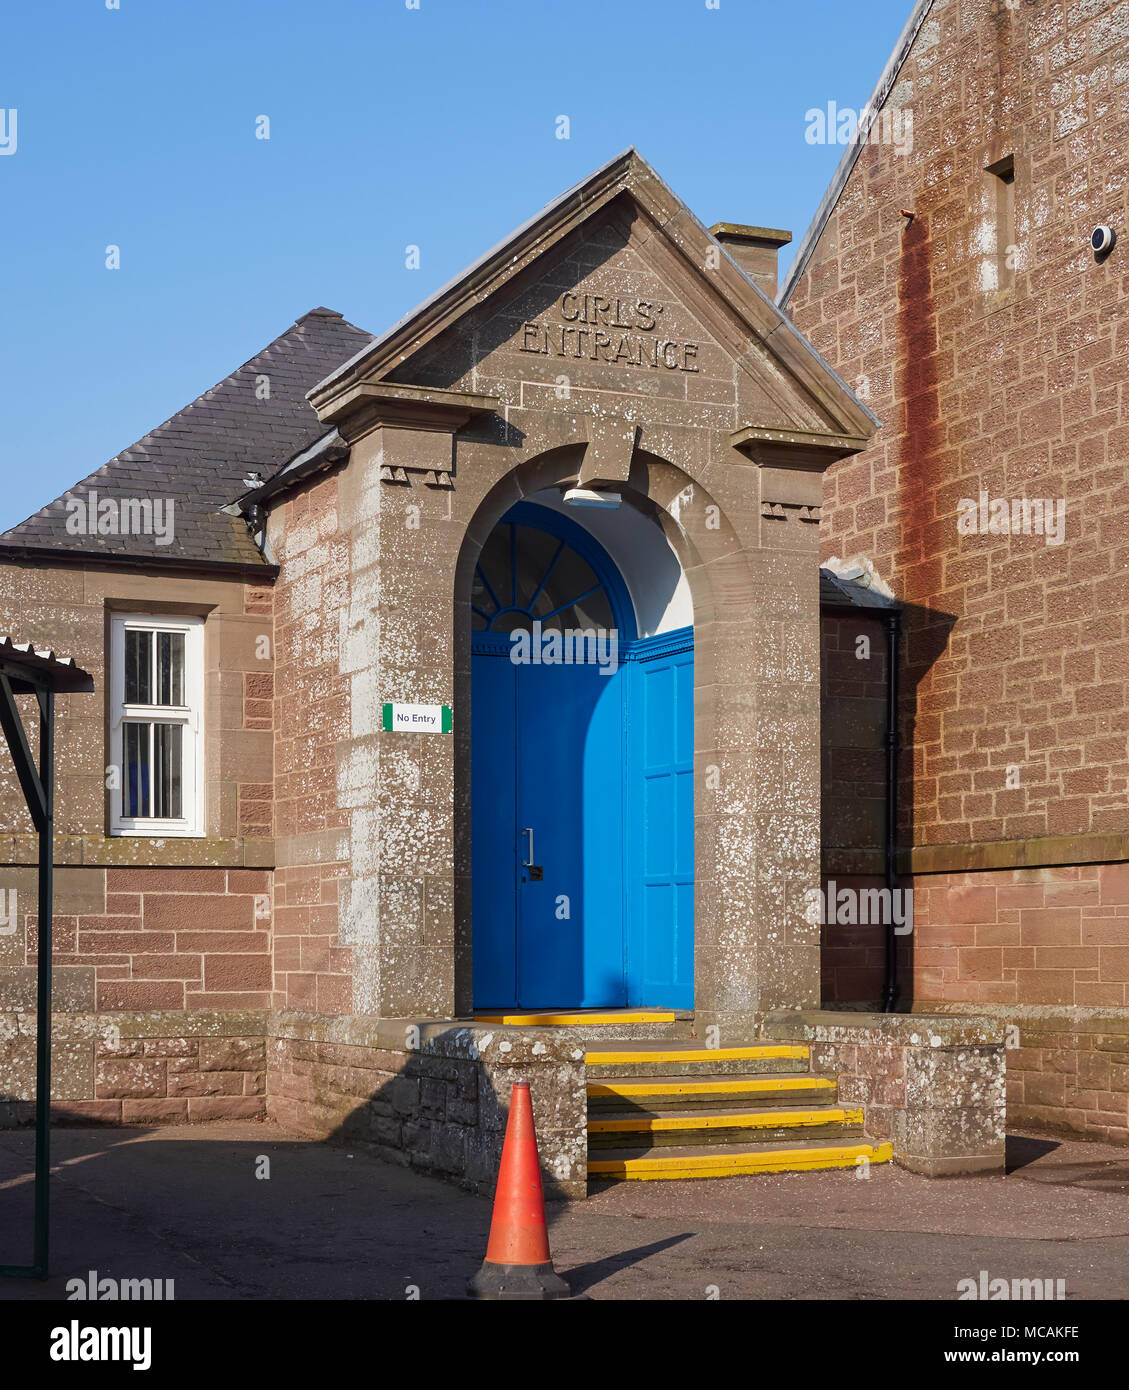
x=840, y=593
x=199, y=457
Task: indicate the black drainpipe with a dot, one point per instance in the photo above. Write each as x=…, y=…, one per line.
x=893, y=633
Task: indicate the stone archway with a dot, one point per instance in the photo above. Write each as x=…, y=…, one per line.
x=749, y=943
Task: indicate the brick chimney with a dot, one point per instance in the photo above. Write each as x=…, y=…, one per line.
x=754, y=249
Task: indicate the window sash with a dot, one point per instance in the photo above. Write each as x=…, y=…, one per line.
x=152, y=773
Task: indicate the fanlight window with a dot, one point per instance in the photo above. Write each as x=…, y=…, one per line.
x=525, y=574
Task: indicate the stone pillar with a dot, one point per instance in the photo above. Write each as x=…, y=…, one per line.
x=397, y=645
x=768, y=728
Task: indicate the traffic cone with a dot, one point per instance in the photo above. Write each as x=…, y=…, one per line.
x=518, y=1263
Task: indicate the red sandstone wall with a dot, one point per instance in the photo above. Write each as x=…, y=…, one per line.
x=167, y=939
x=312, y=969
x=145, y=924
x=1022, y=392
x=1024, y=936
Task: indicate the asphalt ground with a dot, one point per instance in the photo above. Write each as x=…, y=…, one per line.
x=329, y=1222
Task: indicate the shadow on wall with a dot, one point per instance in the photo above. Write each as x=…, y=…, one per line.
x=854, y=701
x=438, y=1108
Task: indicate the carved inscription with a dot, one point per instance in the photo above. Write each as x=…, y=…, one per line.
x=607, y=329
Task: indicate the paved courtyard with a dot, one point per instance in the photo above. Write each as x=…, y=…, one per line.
x=185, y=1204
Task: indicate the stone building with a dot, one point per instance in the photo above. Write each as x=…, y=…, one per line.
x=459, y=704
x=951, y=280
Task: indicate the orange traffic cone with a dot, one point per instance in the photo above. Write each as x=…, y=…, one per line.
x=518, y=1263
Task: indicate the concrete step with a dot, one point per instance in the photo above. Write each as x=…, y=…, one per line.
x=665, y=1057
x=708, y=1125
x=662, y=1094
x=731, y=1160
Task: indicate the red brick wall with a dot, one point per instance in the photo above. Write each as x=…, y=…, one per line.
x=1023, y=936
x=173, y=939
x=145, y=1081
x=1020, y=392
x=312, y=969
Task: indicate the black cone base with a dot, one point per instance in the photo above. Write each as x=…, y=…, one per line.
x=531, y=1282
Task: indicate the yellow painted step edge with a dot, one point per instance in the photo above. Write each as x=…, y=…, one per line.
x=691, y=1087
x=719, y=1054
x=565, y=1020
x=763, y=1119
x=736, y=1165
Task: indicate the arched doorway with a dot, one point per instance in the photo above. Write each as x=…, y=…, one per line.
x=581, y=773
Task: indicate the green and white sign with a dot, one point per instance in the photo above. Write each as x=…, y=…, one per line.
x=417, y=719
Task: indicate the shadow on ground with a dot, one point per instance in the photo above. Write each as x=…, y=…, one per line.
x=195, y=1204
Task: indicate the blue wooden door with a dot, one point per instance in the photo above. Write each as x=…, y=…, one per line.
x=570, y=825
x=581, y=777
x=548, y=835
x=494, y=829
x=660, y=811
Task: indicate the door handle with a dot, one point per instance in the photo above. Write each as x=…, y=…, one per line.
x=528, y=863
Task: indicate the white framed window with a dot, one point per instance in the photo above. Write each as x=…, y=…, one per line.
x=157, y=725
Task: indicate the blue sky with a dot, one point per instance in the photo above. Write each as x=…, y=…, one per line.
x=389, y=126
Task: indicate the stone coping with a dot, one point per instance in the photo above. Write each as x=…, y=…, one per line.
x=1044, y=851
x=441, y=1037
x=906, y=1030
x=461, y=1038
x=1057, y=1018
x=199, y=1023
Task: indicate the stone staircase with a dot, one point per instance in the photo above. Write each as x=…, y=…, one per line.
x=664, y=1105
x=678, y=1109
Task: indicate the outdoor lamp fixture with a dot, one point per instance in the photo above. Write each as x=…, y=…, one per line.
x=590, y=497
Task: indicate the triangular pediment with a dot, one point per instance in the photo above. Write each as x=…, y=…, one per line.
x=620, y=291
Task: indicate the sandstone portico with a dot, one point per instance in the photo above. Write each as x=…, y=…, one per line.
x=611, y=344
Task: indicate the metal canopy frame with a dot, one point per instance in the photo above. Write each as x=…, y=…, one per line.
x=24, y=670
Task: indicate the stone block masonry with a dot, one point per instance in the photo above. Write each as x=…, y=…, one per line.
x=1045, y=952
x=1067, y=1071
x=432, y=1096
x=933, y=1085
x=1010, y=384
x=68, y=607
x=314, y=795
x=998, y=372
x=138, y=1068
x=155, y=939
